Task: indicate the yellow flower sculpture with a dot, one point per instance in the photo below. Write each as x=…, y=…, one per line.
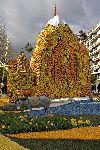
x=61, y=63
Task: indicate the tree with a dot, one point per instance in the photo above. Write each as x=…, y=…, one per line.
x=28, y=47
x=3, y=42
x=82, y=35
x=6, y=51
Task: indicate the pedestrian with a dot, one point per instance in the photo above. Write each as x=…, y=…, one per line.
x=92, y=88
x=91, y=96
x=98, y=87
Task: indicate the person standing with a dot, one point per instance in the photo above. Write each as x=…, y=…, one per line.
x=92, y=88
x=98, y=87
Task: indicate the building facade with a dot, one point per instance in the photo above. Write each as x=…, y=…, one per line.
x=93, y=45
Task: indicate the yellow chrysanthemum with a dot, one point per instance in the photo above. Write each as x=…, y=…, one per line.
x=8, y=126
x=36, y=124
x=73, y=119
x=80, y=122
x=25, y=116
x=20, y=117
x=80, y=117
x=48, y=122
x=51, y=124
x=64, y=118
x=3, y=126
x=30, y=123
x=87, y=121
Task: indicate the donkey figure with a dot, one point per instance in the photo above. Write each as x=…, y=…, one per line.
x=35, y=102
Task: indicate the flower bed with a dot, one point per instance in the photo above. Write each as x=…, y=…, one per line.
x=18, y=123
x=77, y=108
x=87, y=133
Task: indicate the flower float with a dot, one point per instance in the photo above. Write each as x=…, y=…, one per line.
x=61, y=63
x=21, y=79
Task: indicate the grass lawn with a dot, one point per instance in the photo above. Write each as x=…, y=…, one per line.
x=59, y=144
x=87, y=138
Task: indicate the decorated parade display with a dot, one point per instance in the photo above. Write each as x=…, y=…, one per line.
x=61, y=63
x=21, y=79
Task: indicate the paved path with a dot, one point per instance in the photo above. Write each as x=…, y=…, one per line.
x=51, y=105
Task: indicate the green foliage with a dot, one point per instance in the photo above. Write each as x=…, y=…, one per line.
x=93, y=80
x=8, y=107
x=12, y=107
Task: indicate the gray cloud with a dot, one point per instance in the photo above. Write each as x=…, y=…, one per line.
x=25, y=19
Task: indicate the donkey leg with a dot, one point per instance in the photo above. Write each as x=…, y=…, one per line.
x=30, y=107
x=46, y=111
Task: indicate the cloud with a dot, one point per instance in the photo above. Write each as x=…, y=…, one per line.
x=25, y=19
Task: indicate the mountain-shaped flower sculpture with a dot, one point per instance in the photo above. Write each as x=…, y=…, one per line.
x=61, y=63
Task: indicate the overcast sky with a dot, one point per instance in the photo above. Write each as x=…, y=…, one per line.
x=24, y=19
